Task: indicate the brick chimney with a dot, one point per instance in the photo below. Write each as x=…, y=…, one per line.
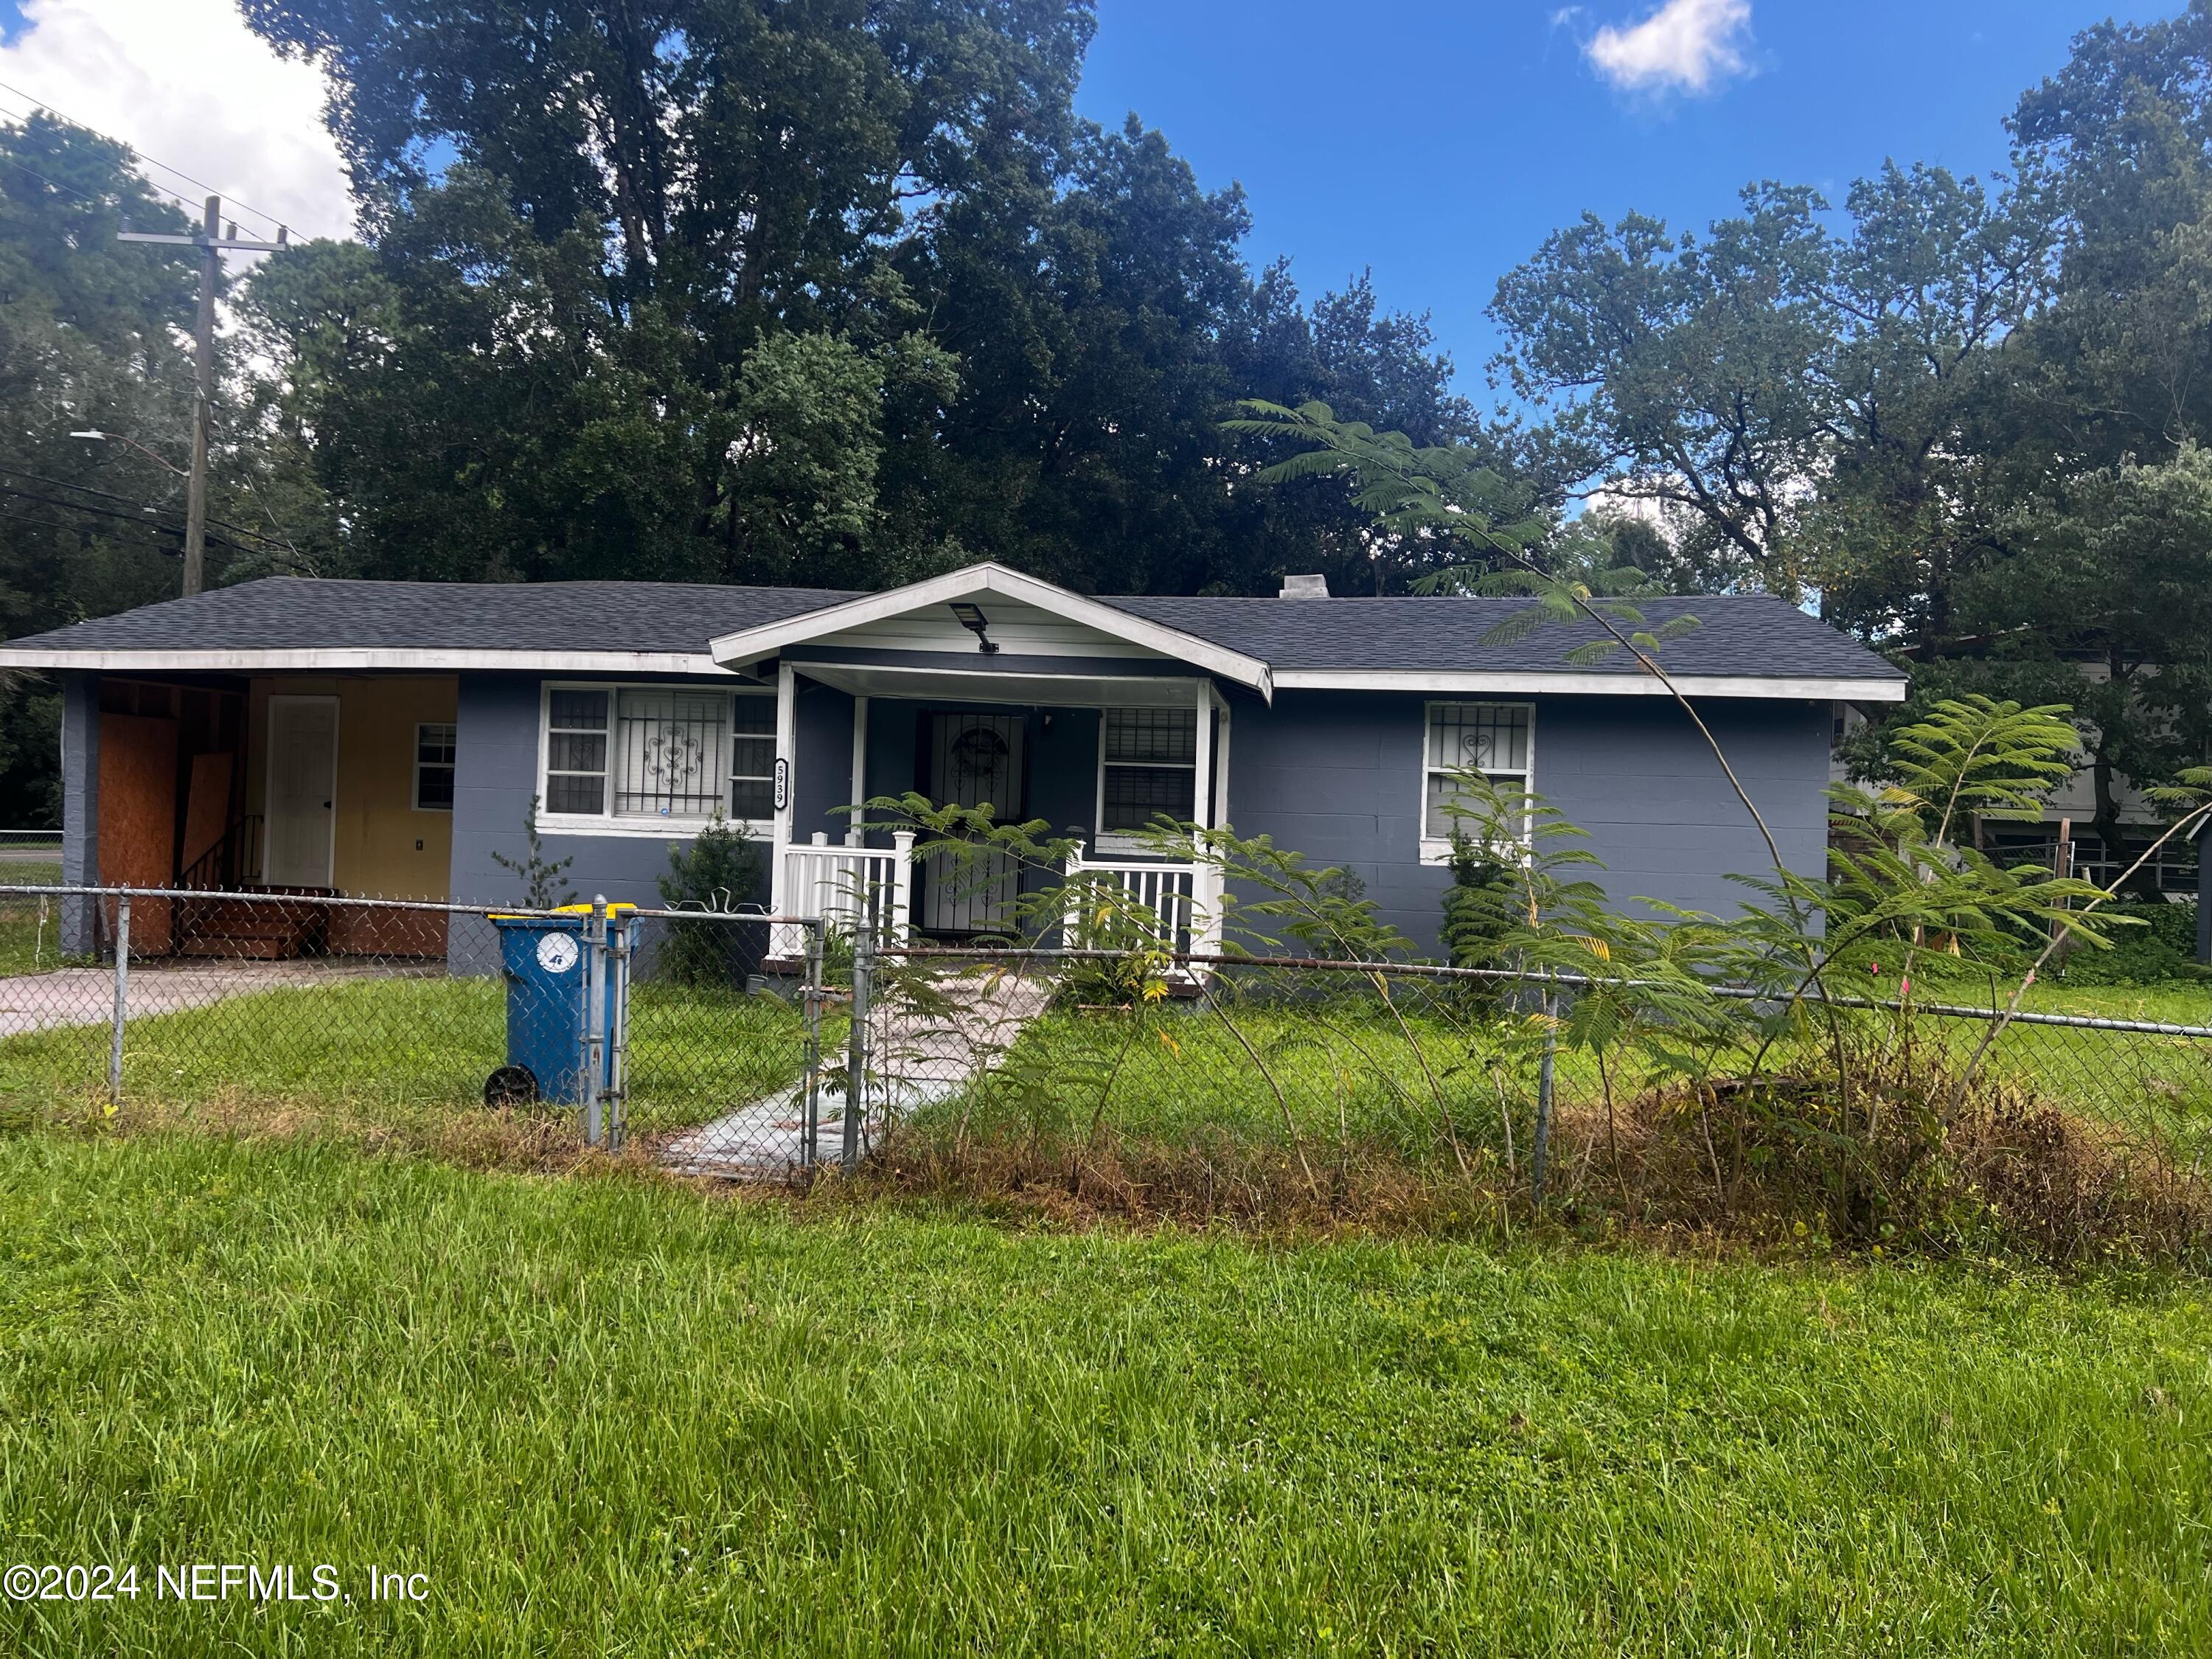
x=1304, y=588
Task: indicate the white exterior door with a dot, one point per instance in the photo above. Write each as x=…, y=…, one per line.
x=302, y=794
x=975, y=760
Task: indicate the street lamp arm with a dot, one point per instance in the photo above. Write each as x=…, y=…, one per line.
x=151, y=454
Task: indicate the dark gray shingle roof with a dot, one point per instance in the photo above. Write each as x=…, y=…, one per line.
x=297, y=613
x=1740, y=634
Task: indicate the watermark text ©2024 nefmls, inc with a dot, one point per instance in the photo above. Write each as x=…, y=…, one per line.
x=212, y=1581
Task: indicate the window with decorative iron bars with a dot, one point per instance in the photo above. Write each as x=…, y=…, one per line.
x=1147, y=768
x=1496, y=739
x=660, y=752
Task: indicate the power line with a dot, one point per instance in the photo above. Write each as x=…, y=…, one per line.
x=154, y=184
x=150, y=524
x=51, y=184
x=41, y=103
x=125, y=500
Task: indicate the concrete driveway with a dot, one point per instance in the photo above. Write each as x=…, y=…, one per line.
x=85, y=996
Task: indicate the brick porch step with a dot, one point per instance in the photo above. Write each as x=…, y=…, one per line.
x=241, y=929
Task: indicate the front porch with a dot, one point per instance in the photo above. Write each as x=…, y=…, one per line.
x=1095, y=759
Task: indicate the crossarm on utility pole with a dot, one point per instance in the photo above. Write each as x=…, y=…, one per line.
x=212, y=244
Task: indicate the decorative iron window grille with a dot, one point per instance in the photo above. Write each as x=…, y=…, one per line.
x=669, y=753
x=1492, y=738
x=660, y=752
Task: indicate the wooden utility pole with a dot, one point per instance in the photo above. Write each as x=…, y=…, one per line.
x=212, y=247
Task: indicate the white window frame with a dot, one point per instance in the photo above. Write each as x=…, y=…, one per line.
x=1122, y=840
x=607, y=823
x=453, y=766
x=1438, y=850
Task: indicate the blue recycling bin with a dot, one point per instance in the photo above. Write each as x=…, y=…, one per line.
x=547, y=1009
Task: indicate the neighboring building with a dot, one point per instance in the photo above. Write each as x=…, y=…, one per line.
x=387, y=738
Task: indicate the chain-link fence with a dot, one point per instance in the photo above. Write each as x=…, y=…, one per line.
x=587, y=1025
x=750, y=1047
x=1199, y=1085
x=31, y=856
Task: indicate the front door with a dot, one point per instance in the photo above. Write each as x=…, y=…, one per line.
x=975, y=760
x=303, y=767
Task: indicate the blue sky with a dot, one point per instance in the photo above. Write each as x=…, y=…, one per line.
x=1440, y=142
x=1437, y=141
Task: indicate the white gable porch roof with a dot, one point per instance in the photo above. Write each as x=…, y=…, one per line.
x=1037, y=618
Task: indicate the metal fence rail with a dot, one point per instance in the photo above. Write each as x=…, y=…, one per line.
x=609, y=1026
x=704, y=1041
x=1329, y=1065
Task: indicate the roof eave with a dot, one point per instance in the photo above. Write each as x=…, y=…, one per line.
x=756, y=645
x=353, y=660
x=1567, y=681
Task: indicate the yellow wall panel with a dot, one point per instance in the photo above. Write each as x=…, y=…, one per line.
x=384, y=848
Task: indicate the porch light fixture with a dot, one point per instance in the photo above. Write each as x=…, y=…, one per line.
x=973, y=619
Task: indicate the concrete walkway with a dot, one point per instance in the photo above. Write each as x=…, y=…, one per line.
x=85, y=996
x=918, y=1058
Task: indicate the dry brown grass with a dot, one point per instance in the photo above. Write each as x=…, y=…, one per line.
x=1782, y=1166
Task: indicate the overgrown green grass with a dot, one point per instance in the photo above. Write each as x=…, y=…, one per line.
x=1349, y=1071
x=612, y=1417
x=428, y=1041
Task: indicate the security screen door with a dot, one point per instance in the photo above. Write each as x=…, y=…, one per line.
x=975, y=760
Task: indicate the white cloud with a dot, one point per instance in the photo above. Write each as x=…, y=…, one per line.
x=1686, y=46
x=187, y=82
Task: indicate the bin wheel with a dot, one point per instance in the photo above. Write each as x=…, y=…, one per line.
x=511, y=1085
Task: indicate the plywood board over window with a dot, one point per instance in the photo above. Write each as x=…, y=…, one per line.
x=138, y=826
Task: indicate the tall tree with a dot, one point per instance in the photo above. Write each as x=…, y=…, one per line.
x=92, y=336
x=815, y=290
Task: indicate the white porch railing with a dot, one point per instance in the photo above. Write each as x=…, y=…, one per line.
x=1185, y=897
x=847, y=887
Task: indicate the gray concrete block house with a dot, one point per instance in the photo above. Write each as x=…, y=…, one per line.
x=386, y=737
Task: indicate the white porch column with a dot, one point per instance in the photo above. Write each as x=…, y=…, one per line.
x=852, y=837
x=1205, y=896
x=902, y=919
x=1203, y=794
x=1221, y=810
x=787, y=784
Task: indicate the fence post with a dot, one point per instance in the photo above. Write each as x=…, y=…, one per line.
x=595, y=1031
x=1544, y=1071
x=122, y=999
x=856, y=1043
x=810, y=1128
x=618, y=960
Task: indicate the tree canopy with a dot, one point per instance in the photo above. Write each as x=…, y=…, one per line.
x=843, y=292
x=1966, y=414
